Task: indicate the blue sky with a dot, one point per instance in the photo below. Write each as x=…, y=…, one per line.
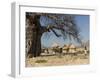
x=82, y=22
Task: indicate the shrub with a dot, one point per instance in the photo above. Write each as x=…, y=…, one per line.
x=40, y=61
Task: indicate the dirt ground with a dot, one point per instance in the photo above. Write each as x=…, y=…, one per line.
x=56, y=60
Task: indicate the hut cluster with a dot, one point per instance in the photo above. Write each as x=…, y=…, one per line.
x=66, y=49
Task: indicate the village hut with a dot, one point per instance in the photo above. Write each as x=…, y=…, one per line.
x=72, y=48
x=54, y=45
x=55, y=48
x=65, y=48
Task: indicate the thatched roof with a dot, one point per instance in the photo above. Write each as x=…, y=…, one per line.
x=72, y=46
x=65, y=46
x=54, y=45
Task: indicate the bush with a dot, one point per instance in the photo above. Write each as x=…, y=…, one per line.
x=40, y=61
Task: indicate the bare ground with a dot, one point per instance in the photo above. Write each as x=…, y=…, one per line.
x=56, y=60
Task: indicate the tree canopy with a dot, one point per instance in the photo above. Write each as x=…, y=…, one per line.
x=65, y=23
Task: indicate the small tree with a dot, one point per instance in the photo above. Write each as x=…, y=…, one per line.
x=62, y=22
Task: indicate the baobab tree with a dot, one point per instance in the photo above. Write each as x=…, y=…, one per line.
x=63, y=22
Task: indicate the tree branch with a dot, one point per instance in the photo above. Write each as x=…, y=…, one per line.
x=55, y=33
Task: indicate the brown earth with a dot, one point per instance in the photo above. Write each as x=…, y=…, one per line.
x=56, y=60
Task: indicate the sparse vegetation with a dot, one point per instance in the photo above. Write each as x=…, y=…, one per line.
x=41, y=61
x=57, y=61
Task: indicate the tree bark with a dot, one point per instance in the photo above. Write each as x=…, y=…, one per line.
x=35, y=49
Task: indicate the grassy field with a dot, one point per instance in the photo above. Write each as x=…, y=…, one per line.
x=56, y=60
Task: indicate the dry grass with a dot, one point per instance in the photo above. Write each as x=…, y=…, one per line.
x=41, y=61
x=57, y=60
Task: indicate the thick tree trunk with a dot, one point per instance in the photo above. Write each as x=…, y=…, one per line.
x=38, y=45
x=35, y=49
